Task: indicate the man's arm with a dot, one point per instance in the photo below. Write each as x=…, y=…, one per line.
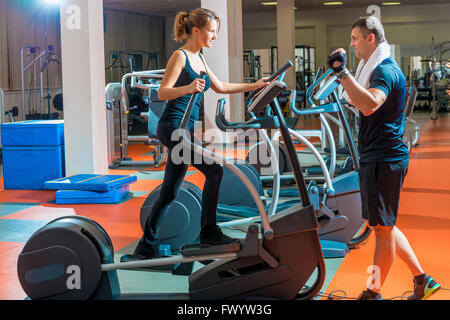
x=366, y=100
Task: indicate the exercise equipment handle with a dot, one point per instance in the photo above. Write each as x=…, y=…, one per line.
x=319, y=73
x=191, y=105
x=309, y=91
x=284, y=68
x=274, y=76
x=223, y=124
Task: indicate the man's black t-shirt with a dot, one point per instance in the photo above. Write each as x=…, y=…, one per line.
x=380, y=134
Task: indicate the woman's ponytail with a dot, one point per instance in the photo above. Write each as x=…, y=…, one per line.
x=179, y=28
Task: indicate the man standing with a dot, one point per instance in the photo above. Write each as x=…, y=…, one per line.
x=378, y=90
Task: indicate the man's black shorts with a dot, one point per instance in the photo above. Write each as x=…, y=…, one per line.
x=380, y=184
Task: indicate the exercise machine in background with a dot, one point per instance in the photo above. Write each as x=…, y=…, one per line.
x=34, y=63
x=412, y=128
x=305, y=64
x=118, y=109
x=122, y=62
x=252, y=66
x=130, y=61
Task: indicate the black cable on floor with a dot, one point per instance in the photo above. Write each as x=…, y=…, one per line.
x=341, y=294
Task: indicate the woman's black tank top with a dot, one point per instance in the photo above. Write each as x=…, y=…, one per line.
x=175, y=108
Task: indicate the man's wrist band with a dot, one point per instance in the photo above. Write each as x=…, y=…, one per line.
x=343, y=74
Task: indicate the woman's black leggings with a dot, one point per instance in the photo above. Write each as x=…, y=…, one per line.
x=173, y=177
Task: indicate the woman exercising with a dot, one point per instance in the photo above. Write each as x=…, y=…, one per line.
x=181, y=80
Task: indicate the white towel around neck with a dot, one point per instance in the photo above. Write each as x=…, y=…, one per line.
x=365, y=69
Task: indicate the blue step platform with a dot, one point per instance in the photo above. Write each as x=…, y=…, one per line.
x=90, y=188
x=90, y=182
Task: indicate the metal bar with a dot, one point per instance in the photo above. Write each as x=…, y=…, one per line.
x=318, y=157
x=34, y=61
x=146, y=86
x=165, y=261
x=137, y=163
x=188, y=144
x=22, y=80
x=138, y=138
x=295, y=163
x=41, y=86
x=2, y=105
x=347, y=133
x=237, y=222
x=329, y=133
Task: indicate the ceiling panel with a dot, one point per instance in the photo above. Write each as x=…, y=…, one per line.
x=255, y=5
x=152, y=7
x=171, y=7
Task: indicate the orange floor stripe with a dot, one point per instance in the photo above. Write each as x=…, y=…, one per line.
x=121, y=221
x=25, y=196
x=38, y=213
x=11, y=289
x=10, y=285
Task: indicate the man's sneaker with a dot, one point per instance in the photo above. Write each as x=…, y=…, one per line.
x=370, y=295
x=425, y=289
x=216, y=237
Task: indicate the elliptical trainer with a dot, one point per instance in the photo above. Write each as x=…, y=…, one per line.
x=72, y=257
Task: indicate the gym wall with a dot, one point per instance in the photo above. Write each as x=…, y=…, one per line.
x=130, y=31
x=329, y=28
x=21, y=23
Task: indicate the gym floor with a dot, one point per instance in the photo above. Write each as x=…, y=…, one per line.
x=423, y=217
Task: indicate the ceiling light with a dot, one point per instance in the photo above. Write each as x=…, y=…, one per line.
x=333, y=3
x=51, y=2
x=274, y=4
x=391, y=3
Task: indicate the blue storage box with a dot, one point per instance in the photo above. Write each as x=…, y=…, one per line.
x=33, y=133
x=81, y=196
x=28, y=168
x=90, y=182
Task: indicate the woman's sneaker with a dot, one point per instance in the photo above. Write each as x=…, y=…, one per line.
x=216, y=237
x=370, y=295
x=145, y=250
x=424, y=287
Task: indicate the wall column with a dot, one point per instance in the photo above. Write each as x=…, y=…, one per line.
x=286, y=38
x=83, y=77
x=321, y=40
x=225, y=59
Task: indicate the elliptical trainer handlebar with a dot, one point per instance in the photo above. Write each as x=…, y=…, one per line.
x=191, y=104
x=274, y=76
x=223, y=124
x=314, y=85
x=319, y=73
x=284, y=68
